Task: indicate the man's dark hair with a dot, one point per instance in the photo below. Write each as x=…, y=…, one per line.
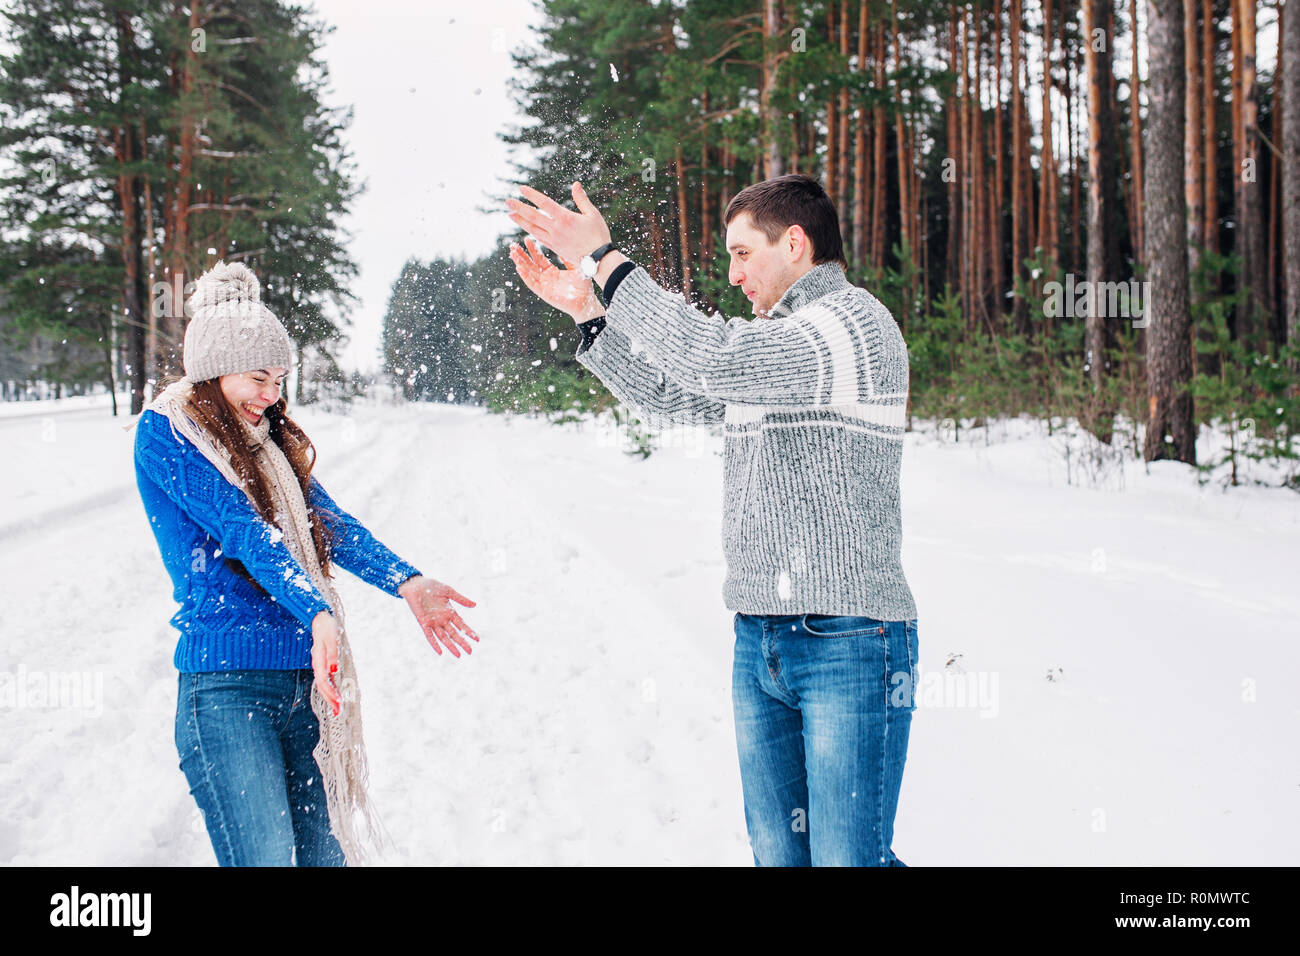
x=775, y=205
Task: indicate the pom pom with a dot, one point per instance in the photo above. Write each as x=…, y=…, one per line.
x=226, y=282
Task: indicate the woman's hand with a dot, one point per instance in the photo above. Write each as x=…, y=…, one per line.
x=325, y=656
x=430, y=602
x=566, y=289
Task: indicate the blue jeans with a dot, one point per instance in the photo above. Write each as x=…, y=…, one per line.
x=245, y=740
x=823, y=705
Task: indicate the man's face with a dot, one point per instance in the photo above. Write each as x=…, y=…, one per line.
x=763, y=270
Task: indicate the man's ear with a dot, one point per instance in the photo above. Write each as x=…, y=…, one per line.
x=796, y=240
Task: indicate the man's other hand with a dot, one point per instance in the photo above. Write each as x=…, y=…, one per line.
x=566, y=289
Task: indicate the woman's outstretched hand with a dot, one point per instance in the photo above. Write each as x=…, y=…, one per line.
x=430, y=602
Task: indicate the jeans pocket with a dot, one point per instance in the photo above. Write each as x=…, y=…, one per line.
x=840, y=625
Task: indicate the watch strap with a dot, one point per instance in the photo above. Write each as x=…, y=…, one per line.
x=601, y=252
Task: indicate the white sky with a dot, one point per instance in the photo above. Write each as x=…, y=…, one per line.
x=427, y=82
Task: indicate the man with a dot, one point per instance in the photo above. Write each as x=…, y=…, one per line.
x=812, y=396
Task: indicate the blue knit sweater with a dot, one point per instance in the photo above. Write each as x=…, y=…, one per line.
x=200, y=520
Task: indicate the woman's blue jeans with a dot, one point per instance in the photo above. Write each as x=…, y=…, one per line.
x=245, y=740
x=823, y=706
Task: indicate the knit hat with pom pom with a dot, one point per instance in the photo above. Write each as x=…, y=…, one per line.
x=231, y=330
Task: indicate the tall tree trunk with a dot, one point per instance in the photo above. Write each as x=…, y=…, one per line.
x=904, y=160
x=914, y=191
x=728, y=163
x=151, y=262
x=180, y=238
x=1019, y=185
x=1209, y=116
x=795, y=161
x=772, y=57
x=1138, y=217
x=842, y=185
x=1047, y=182
x=706, y=196
x=979, y=247
x=1276, y=307
x=1252, y=323
x=998, y=145
x=1104, y=223
x=1290, y=62
x=860, y=150
x=1193, y=181
x=1027, y=171
x=832, y=119
x=130, y=152
x=1207, y=363
x=967, y=192
x=1170, y=429
x=683, y=226
x=880, y=129
x=954, y=172
x=1071, y=159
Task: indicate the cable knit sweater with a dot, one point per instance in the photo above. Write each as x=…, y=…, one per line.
x=812, y=401
x=200, y=519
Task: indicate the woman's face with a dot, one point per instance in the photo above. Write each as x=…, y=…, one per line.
x=250, y=392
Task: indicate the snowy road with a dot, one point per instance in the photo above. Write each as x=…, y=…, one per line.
x=592, y=725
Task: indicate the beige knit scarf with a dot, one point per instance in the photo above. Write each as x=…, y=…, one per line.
x=340, y=752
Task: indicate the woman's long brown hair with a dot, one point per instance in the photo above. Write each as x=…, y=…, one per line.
x=211, y=410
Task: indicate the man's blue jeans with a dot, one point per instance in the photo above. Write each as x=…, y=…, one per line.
x=823, y=706
x=245, y=740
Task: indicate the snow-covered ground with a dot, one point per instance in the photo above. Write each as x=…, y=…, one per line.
x=1127, y=655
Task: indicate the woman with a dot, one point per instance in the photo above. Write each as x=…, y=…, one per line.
x=268, y=723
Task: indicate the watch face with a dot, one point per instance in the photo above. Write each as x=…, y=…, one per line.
x=587, y=265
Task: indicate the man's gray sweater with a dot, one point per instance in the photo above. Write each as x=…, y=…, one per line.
x=812, y=400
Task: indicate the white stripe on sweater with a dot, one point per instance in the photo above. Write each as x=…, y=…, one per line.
x=844, y=363
x=893, y=416
x=829, y=423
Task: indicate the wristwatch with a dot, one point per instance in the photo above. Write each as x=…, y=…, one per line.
x=587, y=264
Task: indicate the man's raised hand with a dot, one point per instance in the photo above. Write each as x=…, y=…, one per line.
x=571, y=234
